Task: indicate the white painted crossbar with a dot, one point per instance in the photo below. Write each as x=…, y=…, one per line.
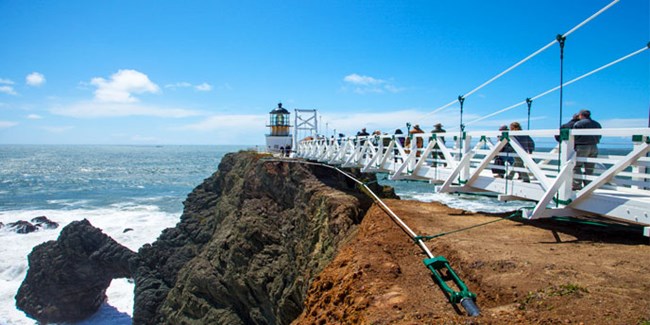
x=618, y=188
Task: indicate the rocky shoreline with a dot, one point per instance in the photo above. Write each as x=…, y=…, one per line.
x=251, y=239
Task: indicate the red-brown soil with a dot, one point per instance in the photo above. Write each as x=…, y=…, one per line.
x=539, y=272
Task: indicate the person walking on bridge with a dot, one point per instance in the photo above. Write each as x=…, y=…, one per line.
x=585, y=146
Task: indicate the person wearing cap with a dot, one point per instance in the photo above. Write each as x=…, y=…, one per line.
x=585, y=146
x=569, y=125
x=437, y=154
x=419, y=141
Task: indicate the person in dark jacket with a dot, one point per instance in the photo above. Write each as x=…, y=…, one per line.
x=585, y=146
x=528, y=145
x=569, y=125
x=399, y=138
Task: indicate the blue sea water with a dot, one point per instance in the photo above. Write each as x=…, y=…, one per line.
x=119, y=187
x=114, y=187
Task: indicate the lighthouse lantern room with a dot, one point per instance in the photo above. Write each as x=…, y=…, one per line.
x=279, y=140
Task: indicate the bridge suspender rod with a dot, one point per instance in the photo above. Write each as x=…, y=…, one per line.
x=529, y=102
x=560, y=40
x=564, y=85
x=524, y=60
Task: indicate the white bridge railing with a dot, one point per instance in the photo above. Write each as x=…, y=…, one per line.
x=618, y=188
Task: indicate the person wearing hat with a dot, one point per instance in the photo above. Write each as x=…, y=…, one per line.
x=585, y=146
x=437, y=154
x=419, y=141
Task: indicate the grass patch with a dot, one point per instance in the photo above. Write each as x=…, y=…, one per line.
x=537, y=298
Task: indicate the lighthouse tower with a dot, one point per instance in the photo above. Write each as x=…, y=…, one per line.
x=280, y=137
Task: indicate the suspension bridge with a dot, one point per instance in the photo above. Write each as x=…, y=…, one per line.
x=617, y=189
x=613, y=187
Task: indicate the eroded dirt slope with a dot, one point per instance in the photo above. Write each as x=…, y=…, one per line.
x=522, y=273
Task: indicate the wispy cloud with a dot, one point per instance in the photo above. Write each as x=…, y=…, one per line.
x=624, y=123
x=217, y=122
x=231, y=129
x=9, y=90
x=6, y=81
x=121, y=86
x=366, y=84
x=203, y=87
x=34, y=117
x=35, y=79
x=99, y=109
x=7, y=124
x=182, y=84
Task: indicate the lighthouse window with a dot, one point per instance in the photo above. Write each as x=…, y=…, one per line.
x=280, y=120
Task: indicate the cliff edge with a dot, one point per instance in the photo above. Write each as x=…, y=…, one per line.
x=250, y=240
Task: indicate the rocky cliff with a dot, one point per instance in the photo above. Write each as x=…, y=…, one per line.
x=250, y=240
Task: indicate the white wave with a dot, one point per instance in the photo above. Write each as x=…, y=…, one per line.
x=147, y=222
x=466, y=202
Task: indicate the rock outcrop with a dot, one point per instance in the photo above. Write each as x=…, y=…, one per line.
x=68, y=278
x=44, y=222
x=250, y=240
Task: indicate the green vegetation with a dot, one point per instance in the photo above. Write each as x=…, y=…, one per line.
x=562, y=290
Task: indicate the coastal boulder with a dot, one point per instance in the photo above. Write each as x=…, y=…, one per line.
x=21, y=227
x=45, y=223
x=67, y=278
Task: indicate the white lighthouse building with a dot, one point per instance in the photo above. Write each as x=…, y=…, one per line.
x=280, y=137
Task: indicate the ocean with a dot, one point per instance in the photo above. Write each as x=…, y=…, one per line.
x=120, y=187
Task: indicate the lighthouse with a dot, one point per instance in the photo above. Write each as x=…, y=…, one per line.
x=280, y=137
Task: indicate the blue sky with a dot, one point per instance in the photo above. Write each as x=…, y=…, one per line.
x=208, y=72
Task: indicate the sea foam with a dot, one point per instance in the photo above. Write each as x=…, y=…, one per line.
x=147, y=221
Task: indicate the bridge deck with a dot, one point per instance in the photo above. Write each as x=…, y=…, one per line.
x=617, y=188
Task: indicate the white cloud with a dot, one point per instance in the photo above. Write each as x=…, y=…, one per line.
x=203, y=87
x=365, y=84
x=182, y=84
x=35, y=79
x=231, y=129
x=99, y=109
x=228, y=122
x=9, y=90
x=7, y=124
x=356, y=79
x=34, y=117
x=624, y=123
x=122, y=85
x=6, y=81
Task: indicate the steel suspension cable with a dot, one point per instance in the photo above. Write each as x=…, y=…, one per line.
x=563, y=85
x=524, y=60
